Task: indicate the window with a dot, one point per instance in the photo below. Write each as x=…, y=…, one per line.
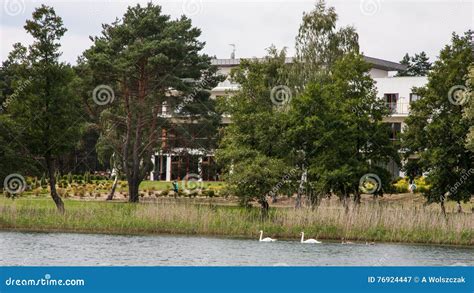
x=414, y=97
x=163, y=111
x=395, y=130
x=391, y=102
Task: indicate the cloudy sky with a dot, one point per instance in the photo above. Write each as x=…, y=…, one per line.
x=387, y=28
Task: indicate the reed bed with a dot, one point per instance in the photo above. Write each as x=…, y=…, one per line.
x=367, y=222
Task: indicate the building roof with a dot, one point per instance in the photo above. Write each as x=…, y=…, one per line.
x=375, y=62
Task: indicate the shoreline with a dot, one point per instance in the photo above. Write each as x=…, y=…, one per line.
x=366, y=223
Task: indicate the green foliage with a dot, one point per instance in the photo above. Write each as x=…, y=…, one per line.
x=469, y=109
x=87, y=177
x=43, y=182
x=417, y=65
x=210, y=193
x=141, y=57
x=253, y=147
x=46, y=104
x=57, y=176
x=319, y=45
x=337, y=124
x=332, y=127
x=436, y=131
x=47, y=107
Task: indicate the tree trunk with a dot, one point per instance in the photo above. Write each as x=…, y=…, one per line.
x=443, y=208
x=314, y=199
x=357, y=198
x=265, y=207
x=114, y=186
x=345, y=203
x=458, y=207
x=52, y=182
x=300, y=189
x=133, y=183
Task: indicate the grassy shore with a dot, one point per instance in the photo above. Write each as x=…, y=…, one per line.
x=369, y=222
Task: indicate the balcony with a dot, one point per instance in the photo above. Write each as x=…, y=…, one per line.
x=398, y=109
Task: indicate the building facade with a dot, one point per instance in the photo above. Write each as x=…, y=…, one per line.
x=397, y=92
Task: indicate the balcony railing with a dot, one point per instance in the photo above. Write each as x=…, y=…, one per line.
x=398, y=108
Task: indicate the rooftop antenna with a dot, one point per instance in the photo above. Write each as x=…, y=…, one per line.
x=232, y=55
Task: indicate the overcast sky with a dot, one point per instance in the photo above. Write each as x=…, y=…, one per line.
x=387, y=28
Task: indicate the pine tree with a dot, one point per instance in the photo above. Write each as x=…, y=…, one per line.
x=406, y=60
x=147, y=59
x=47, y=107
x=418, y=65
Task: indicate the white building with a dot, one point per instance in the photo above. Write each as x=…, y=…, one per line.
x=395, y=91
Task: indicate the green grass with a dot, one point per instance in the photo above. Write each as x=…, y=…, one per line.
x=366, y=223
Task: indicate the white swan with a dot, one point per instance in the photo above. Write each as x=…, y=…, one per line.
x=308, y=240
x=266, y=239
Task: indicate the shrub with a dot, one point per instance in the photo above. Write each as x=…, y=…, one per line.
x=29, y=181
x=421, y=185
x=165, y=192
x=210, y=193
x=401, y=185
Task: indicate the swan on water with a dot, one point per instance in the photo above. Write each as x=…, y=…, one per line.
x=308, y=240
x=266, y=239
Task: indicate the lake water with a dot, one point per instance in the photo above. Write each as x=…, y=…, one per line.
x=63, y=249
